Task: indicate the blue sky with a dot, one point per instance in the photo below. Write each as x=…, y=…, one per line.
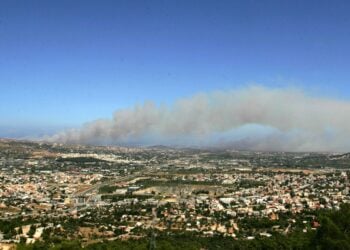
x=63, y=63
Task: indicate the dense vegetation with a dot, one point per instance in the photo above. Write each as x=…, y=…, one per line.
x=107, y=189
x=334, y=233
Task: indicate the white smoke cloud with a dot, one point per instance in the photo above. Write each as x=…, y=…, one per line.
x=256, y=118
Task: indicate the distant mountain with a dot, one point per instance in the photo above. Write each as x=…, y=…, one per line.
x=160, y=147
x=340, y=156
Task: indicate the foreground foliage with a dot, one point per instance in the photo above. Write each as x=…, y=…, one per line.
x=334, y=233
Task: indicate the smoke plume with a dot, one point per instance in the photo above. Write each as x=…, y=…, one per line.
x=254, y=118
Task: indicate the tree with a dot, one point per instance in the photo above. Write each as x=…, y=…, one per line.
x=32, y=231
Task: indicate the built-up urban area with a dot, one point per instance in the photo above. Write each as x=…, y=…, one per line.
x=89, y=194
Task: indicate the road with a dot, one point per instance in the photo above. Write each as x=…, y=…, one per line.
x=110, y=182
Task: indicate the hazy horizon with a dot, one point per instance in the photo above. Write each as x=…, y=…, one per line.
x=269, y=76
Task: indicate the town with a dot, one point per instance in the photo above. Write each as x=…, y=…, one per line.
x=91, y=194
